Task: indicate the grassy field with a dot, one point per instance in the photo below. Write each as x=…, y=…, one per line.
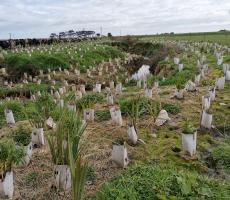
x=214, y=37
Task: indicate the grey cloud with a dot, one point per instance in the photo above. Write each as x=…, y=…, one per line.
x=38, y=18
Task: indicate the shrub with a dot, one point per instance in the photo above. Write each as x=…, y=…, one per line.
x=89, y=100
x=21, y=136
x=131, y=82
x=9, y=154
x=16, y=107
x=145, y=105
x=171, y=108
x=221, y=156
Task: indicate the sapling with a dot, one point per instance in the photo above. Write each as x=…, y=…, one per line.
x=119, y=153
x=189, y=137
x=9, y=154
x=65, y=148
x=206, y=119
x=22, y=137
x=88, y=111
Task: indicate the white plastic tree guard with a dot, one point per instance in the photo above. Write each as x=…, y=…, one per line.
x=53, y=82
x=61, y=103
x=226, y=67
x=71, y=107
x=30, y=78
x=57, y=95
x=61, y=91
x=197, y=79
x=97, y=88
x=73, y=88
x=132, y=134
x=50, y=123
x=5, y=83
x=220, y=82
x=54, y=73
x=7, y=185
x=78, y=95
x=119, y=88
x=212, y=93
x=189, y=143
x=41, y=72
x=62, y=177
x=198, y=64
x=28, y=150
x=32, y=97
x=88, y=114
x=162, y=118
x=120, y=155
x=220, y=60
x=227, y=75
x=3, y=70
x=111, y=85
x=180, y=67
x=202, y=73
x=66, y=72
x=66, y=83
x=77, y=72
x=179, y=93
x=116, y=117
x=139, y=83
x=82, y=89
x=206, y=120
x=39, y=81
x=49, y=77
x=206, y=102
x=176, y=60
x=25, y=75
x=205, y=67
x=9, y=116
x=190, y=86
x=144, y=83
x=148, y=92
x=156, y=84
x=39, y=93
x=110, y=100
x=38, y=136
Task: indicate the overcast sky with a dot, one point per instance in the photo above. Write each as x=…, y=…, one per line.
x=39, y=18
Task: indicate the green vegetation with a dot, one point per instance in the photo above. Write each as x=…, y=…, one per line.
x=31, y=178
x=9, y=154
x=221, y=156
x=88, y=100
x=46, y=57
x=146, y=106
x=188, y=127
x=171, y=108
x=16, y=107
x=40, y=110
x=215, y=37
x=21, y=136
x=102, y=115
x=152, y=181
x=27, y=89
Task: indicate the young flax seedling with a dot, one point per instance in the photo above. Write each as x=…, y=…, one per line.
x=65, y=149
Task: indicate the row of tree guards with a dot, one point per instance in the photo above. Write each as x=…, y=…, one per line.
x=67, y=159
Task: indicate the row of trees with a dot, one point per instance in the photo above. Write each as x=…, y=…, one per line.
x=73, y=34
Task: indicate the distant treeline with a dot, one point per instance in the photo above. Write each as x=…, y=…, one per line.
x=12, y=43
